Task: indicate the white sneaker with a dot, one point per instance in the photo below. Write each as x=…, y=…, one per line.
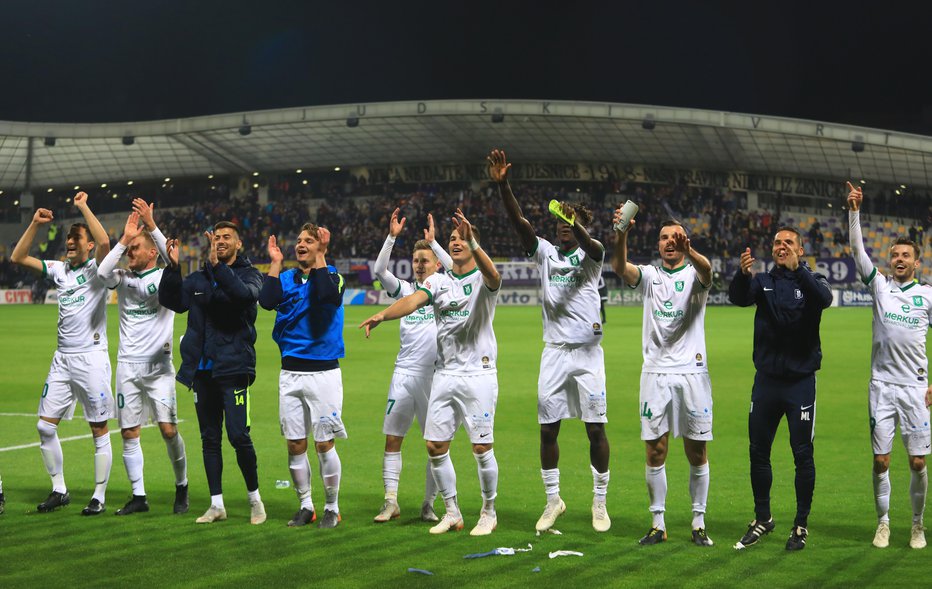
x=390, y=511
x=213, y=514
x=553, y=510
x=918, y=537
x=428, y=514
x=600, y=520
x=448, y=522
x=882, y=535
x=257, y=513
x=486, y=525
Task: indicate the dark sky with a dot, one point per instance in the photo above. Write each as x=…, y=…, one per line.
x=65, y=60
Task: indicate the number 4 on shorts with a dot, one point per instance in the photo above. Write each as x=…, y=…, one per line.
x=645, y=412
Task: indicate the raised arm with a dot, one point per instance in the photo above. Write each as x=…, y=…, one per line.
x=743, y=291
x=400, y=308
x=146, y=212
x=389, y=281
x=430, y=235
x=630, y=273
x=490, y=275
x=701, y=263
x=498, y=171
x=270, y=295
x=593, y=248
x=20, y=255
x=107, y=269
x=98, y=233
x=862, y=261
x=328, y=286
x=173, y=291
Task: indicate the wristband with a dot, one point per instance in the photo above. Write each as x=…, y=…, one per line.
x=473, y=244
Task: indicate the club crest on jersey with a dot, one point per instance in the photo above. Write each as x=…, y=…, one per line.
x=81, y=279
x=799, y=294
x=467, y=289
x=917, y=300
x=151, y=288
x=679, y=285
x=574, y=259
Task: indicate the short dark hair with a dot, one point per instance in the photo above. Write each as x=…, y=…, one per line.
x=671, y=222
x=227, y=225
x=583, y=215
x=476, y=234
x=87, y=230
x=799, y=237
x=909, y=242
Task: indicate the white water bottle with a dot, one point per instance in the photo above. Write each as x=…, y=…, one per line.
x=628, y=211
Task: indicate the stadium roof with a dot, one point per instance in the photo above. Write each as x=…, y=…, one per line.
x=457, y=131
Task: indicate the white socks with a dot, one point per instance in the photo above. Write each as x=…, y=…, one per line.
x=445, y=478
x=551, y=478
x=217, y=501
x=882, y=495
x=254, y=497
x=430, y=486
x=488, y=479
x=176, y=455
x=50, y=447
x=657, y=490
x=918, y=485
x=103, y=460
x=699, y=491
x=330, y=469
x=301, y=477
x=133, y=461
x=391, y=472
x=599, y=484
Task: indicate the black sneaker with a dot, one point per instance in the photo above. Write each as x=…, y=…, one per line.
x=654, y=536
x=181, y=499
x=755, y=531
x=2, y=503
x=54, y=501
x=95, y=507
x=797, y=539
x=700, y=538
x=302, y=517
x=137, y=504
x=330, y=520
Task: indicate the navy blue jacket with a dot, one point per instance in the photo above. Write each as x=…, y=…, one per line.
x=786, y=324
x=221, y=305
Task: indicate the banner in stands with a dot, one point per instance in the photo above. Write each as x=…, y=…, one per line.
x=851, y=298
x=15, y=296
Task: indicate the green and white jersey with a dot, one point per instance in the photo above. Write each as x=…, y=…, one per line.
x=82, y=306
x=569, y=294
x=674, y=319
x=418, y=334
x=464, y=309
x=902, y=315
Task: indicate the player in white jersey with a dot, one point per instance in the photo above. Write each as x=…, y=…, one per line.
x=80, y=368
x=145, y=375
x=571, y=383
x=464, y=390
x=675, y=392
x=414, y=368
x=899, y=391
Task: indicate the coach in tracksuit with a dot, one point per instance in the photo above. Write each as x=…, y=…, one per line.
x=218, y=356
x=787, y=352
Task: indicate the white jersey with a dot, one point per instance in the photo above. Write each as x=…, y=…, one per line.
x=570, y=294
x=464, y=309
x=82, y=306
x=418, y=334
x=674, y=319
x=146, y=327
x=902, y=315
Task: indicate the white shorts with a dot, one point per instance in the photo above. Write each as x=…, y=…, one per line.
x=457, y=399
x=81, y=377
x=891, y=404
x=571, y=384
x=144, y=390
x=678, y=402
x=311, y=400
x=407, y=398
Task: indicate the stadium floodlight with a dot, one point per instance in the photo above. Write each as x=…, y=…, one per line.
x=129, y=140
x=352, y=121
x=50, y=141
x=245, y=129
x=857, y=146
x=648, y=123
x=498, y=116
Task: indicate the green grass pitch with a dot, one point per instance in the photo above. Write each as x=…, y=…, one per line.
x=64, y=548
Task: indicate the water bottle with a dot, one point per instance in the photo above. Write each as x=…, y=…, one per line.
x=628, y=211
x=280, y=484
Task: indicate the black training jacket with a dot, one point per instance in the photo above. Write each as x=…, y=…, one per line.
x=786, y=324
x=221, y=305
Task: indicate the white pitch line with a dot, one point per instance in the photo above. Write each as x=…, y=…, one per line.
x=72, y=438
x=19, y=415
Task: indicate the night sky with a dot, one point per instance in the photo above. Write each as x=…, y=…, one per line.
x=71, y=61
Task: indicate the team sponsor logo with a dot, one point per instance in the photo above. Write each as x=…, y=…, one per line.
x=799, y=294
x=917, y=301
x=574, y=259
x=903, y=320
x=82, y=279
x=905, y=309
x=667, y=305
x=151, y=289
x=454, y=304
x=467, y=289
x=669, y=314
x=678, y=285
